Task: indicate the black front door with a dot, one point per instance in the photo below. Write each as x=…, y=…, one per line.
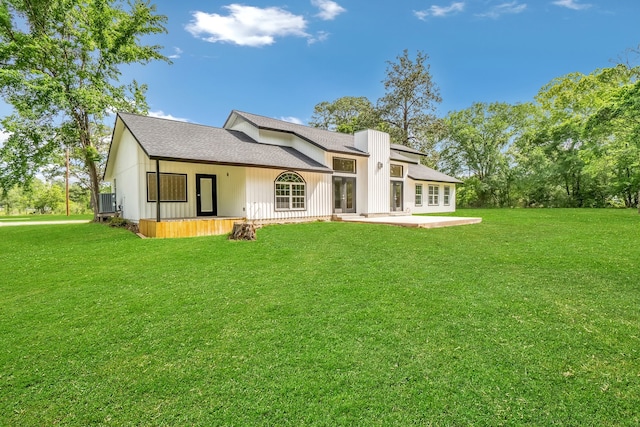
x=206, y=198
x=344, y=194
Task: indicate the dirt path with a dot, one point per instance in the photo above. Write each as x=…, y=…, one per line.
x=18, y=223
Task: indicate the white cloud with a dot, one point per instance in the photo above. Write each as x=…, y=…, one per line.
x=177, y=52
x=291, y=119
x=247, y=25
x=440, y=11
x=319, y=37
x=328, y=9
x=161, y=115
x=505, y=8
x=571, y=4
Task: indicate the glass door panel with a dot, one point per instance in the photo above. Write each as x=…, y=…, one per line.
x=344, y=194
x=396, y=196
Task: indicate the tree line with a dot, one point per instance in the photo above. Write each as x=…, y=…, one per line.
x=577, y=144
x=43, y=197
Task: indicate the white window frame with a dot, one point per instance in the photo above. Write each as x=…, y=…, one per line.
x=419, y=194
x=446, y=197
x=290, y=191
x=434, y=195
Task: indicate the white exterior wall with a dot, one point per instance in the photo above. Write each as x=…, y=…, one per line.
x=377, y=183
x=410, y=197
x=290, y=140
x=246, y=128
x=230, y=189
x=362, y=170
x=128, y=158
x=261, y=198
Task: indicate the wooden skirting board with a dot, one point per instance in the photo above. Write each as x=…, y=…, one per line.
x=188, y=227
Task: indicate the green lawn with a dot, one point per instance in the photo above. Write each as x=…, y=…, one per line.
x=531, y=317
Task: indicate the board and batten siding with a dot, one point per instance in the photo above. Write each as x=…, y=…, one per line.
x=362, y=169
x=230, y=189
x=377, y=185
x=124, y=174
x=261, y=198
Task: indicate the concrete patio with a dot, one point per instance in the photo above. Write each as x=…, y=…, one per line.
x=413, y=220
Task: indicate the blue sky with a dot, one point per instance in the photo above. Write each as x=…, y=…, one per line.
x=279, y=58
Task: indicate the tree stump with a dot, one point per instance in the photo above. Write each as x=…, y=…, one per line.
x=243, y=231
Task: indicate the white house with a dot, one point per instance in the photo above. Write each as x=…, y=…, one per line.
x=263, y=169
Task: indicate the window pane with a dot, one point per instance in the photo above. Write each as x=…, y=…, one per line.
x=289, y=177
x=282, y=203
x=298, y=202
x=173, y=187
x=282, y=189
x=396, y=171
x=434, y=192
x=344, y=165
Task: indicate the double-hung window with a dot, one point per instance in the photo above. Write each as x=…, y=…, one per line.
x=418, y=194
x=290, y=192
x=447, y=195
x=434, y=195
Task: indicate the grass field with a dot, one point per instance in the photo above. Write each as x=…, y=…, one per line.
x=530, y=318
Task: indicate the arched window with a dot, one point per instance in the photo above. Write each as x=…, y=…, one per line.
x=290, y=192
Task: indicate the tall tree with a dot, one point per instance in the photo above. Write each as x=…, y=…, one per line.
x=411, y=96
x=590, y=165
x=477, y=145
x=347, y=115
x=60, y=65
x=618, y=125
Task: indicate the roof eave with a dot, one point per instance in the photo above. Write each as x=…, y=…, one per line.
x=240, y=164
x=452, y=181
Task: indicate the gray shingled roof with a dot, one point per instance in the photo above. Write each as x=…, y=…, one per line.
x=399, y=157
x=335, y=142
x=173, y=140
x=423, y=173
x=404, y=148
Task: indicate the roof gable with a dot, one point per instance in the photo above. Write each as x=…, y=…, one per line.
x=165, y=139
x=335, y=142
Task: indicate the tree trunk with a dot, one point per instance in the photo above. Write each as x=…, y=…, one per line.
x=82, y=120
x=638, y=200
x=243, y=231
x=95, y=188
